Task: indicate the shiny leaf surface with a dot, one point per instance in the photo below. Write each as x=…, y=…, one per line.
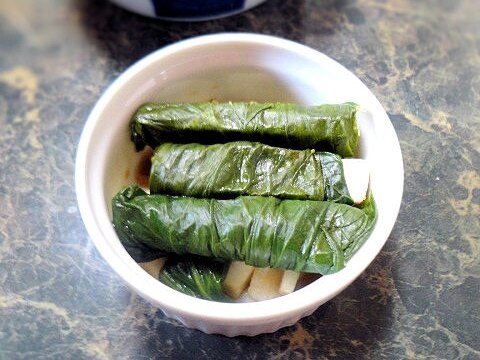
x=246, y=168
x=301, y=235
x=330, y=127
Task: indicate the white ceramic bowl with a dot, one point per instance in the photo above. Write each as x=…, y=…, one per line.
x=187, y=10
x=229, y=67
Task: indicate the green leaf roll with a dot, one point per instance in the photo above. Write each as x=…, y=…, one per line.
x=247, y=168
x=301, y=235
x=329, y=127
x=195, y=276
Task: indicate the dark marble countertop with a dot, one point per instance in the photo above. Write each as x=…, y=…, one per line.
x=420, y=299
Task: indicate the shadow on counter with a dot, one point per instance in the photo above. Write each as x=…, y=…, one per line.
x=126, y=37
x=353, y=325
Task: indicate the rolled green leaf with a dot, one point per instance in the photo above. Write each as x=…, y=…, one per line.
x=195, y=276
x=325, y=127
x=247, y=168
x=301, y=235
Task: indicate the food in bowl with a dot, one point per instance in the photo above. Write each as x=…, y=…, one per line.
x=230, y=67
x=261, y=210
x=328, y=127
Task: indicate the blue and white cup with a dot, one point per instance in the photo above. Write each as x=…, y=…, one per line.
x=187, y=10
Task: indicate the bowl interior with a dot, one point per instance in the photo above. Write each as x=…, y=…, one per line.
x=229, y=67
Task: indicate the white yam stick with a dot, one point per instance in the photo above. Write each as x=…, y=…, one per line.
x=289, y=281
x=237, y=279
x=357, y=177
x=265, y=284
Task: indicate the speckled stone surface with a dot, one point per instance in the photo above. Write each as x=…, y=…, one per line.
x=420, y=299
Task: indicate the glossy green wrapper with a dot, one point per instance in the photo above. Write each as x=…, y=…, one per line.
x=247, y=168
x=195, y=276
x=301, y=235
x=329, y=127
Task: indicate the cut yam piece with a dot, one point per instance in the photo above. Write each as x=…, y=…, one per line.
x=357, y=177
x=237, y=279
x=289, y=281
x=153, y=267
x=265, y=284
